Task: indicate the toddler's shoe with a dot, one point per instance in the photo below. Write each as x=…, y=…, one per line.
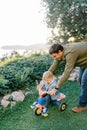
x=33, y=105
x=45, y=112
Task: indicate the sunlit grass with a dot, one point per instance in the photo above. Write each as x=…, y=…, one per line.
x=22, y=117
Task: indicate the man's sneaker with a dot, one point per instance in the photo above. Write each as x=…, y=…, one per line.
x=45, y=112
x=33, y=105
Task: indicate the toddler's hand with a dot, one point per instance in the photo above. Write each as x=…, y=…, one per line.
x=53, y=92
x=42, y=93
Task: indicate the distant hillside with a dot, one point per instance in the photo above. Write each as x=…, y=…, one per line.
x=29, y=47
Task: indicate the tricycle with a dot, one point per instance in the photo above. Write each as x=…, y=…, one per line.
x=40, y=105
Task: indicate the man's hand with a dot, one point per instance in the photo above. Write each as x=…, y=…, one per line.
x=52, y=92
x=57, y=87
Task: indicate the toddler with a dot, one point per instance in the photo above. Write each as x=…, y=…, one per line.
x=46, y=89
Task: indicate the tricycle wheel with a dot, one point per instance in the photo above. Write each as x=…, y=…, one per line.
x=37, y=111
x=62, y=106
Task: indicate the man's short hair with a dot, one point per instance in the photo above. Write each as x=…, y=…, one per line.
x=55, y=48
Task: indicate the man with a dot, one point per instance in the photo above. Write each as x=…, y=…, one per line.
x=73, y=55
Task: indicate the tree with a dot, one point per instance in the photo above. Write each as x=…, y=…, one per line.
x=66, y=18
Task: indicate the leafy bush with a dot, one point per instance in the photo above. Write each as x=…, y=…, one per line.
x=23, y=72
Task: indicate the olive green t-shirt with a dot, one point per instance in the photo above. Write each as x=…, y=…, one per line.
x=73, y=55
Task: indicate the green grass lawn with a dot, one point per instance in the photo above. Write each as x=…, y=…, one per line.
x=22, y=117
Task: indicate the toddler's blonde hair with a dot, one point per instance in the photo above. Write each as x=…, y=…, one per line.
x=47, y=75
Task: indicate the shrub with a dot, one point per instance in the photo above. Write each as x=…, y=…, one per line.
x=23, y=72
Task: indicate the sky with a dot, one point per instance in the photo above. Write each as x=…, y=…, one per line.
x=21, y=23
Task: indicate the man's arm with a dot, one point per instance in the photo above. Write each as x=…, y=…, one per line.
x=54, y=66
x=70, y=64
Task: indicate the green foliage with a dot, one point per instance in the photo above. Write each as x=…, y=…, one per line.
x=3, y=85
x=23, y=72
x=3, y=81
x=68, y=17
